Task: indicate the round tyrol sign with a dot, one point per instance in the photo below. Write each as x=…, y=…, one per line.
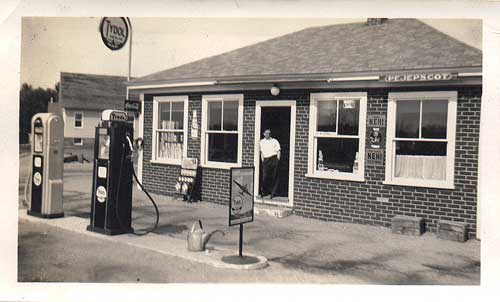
x=114, y=32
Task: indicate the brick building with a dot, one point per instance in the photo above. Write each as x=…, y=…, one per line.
x=374, y=119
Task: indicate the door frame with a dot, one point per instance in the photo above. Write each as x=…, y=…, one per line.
x=291, y=163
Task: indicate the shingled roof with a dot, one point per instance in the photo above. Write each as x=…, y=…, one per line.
x=92, y=92
x=395, y=45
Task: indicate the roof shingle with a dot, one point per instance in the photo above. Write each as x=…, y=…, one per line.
x=395, y=45
x=93, y=92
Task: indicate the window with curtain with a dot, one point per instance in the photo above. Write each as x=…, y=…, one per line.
x=169, y=129
x=422, y=146
x=222, y=129
x=337, y=135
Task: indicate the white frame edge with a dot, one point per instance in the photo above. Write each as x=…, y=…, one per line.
x=452, y=97
x=293, y=111
x=156, y=101
x=363, y=107
x=204, y=118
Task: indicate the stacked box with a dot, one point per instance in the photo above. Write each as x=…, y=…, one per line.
x=451, y=230
x=408, y=225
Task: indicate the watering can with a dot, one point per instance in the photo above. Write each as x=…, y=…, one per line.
x=197, y=238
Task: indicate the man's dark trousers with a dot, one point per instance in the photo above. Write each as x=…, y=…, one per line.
x=270, y=175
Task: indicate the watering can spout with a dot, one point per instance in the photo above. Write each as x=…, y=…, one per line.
x=207, y=236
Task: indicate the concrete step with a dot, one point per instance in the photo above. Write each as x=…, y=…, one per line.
x=272, y=210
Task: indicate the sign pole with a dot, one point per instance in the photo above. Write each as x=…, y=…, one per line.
x=241, y=240
x=129, y=55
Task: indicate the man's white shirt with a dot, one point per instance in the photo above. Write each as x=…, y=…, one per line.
x=269, y=147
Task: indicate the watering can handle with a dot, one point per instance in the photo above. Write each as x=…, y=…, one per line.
x=193, y=227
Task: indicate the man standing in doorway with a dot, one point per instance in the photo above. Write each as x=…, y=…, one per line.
x=270, y=153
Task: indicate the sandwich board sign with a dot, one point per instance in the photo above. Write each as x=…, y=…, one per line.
x=241, y=198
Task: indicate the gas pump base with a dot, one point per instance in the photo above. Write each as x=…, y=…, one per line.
x=40, y=215
x=109, y=231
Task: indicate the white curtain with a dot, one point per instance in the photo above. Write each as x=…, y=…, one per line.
x=421, y=167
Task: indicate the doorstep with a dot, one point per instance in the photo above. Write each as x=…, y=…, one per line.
x=278, y=211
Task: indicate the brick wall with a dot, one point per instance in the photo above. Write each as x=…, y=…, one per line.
x=336, y=200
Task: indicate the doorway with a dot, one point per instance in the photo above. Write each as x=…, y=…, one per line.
x=279, y=117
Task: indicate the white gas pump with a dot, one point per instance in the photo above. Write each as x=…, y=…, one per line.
x=47, y=158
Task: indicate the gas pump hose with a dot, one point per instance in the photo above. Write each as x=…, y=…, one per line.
x=143, y=189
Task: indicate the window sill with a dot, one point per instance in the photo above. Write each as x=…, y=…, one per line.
x=220, y=166
x=337, y=177
x=166, y=162
x=420, y=184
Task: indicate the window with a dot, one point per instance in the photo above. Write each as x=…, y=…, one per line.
x=421, y=139
x=337, y=126
x=77, y=141
x=78, y=120
x=222, y=124
x=170, y=123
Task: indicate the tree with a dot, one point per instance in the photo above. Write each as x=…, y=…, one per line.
x=33, y=101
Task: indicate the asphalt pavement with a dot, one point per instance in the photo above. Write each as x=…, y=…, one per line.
x=298, y=249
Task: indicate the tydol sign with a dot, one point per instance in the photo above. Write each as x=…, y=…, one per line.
x=114, y=32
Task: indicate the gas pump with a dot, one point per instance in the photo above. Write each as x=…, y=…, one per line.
x=111, y=208
x=46, y=178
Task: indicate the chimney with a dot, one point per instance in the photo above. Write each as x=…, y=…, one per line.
x=375, y=21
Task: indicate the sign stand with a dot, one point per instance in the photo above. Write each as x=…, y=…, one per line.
x=241, y=206
x=241, y=240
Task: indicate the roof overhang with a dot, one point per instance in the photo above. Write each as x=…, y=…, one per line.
x=462, y=76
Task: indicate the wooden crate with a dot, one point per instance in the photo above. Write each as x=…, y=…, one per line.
x=408, y=225
x=451, y=230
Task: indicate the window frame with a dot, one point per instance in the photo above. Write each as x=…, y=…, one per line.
x=313, y=135
x=77, y=144
x=157, y=100
x=204, y=120
x=74, y=120
x=451, y=124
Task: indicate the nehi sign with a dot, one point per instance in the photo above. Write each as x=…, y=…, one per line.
x=114, y=32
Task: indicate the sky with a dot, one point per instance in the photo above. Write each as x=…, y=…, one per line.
x=50, y=45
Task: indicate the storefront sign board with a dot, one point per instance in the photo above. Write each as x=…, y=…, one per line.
x=422, y=77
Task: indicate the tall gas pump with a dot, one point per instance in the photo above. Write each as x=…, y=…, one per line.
x=111, y=208
x=47, y=132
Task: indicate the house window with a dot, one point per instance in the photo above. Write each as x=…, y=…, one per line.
x=78, y=120
x=337, y=126
x=78, y=141
x=222, y=126
x=170, y=123
x=421, y=139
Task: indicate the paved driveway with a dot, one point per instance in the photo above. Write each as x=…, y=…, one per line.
x=322, y=251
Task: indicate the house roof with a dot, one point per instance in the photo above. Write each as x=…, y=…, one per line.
x=395, y=45
x=92, y=92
